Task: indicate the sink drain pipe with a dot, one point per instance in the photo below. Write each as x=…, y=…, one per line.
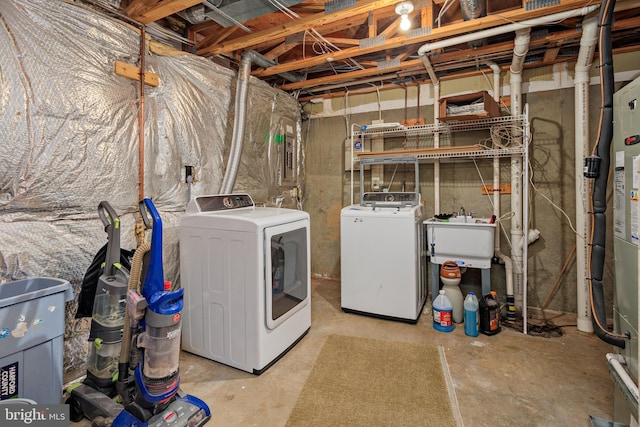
x=519, y=291
x=498, y=255
x=242, y=90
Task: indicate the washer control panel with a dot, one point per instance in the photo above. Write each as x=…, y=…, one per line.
x=390, y=199
x=222, y=202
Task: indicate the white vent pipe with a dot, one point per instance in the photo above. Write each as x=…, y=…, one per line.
x=588, y=43
x=468, y=37
x=508, y=265
x=436, y=136
x=521, y=47
x=436, y=144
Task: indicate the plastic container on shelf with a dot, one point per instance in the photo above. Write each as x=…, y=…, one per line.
x=471, y=315
x=442, y=313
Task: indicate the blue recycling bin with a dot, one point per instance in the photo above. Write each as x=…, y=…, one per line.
x=32, y=322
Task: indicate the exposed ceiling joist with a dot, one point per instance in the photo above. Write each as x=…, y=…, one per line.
x=152, y=10
x=436, y=33
x=292, y=27
x=359, y=41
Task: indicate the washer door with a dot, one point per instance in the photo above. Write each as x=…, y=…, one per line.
x=286, y=270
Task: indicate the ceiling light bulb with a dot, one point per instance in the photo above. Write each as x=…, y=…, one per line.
x=403, y=9
x=405, y=23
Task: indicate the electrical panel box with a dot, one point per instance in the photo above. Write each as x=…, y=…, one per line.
x=289, y=153
x=626, y=185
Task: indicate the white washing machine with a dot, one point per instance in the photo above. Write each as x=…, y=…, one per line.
x=246, y=274
x=382, y=258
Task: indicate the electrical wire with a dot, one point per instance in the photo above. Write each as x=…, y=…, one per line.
x=503, y=217
x=446, y=6
x=495, y=90
x=544, y=196
x=321, y=40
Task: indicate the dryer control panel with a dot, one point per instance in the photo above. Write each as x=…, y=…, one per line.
x=220, y=202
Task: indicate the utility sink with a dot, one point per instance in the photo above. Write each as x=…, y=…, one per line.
x=467, y=241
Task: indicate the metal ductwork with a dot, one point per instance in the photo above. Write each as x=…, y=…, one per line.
x=473, y=9
x=242, y=91
x=231, y=12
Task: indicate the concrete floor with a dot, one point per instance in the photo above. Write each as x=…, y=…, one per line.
x=508, y=379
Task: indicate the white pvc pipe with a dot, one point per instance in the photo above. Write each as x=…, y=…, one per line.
x=468, y=37
x=496, y=160
x=616, y=360
x=636, y=167
x=588, y=43
x=521, y=46
x=436, y=135
x=508, y=271
x=436, y=144
x=352, y=165
x=508, y=264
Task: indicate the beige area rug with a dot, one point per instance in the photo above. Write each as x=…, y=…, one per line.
x=369, y=382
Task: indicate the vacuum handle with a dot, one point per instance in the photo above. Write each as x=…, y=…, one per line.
x=144, y=214
x=111, y=221
x=154, y=279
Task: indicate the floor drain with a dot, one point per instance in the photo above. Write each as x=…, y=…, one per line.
x=536, y=327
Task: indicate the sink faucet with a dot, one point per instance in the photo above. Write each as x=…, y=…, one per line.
x=463, y=213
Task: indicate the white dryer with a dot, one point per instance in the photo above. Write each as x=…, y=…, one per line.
x=246, y=274
x=382, y=258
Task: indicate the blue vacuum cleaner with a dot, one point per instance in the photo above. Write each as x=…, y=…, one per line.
x=148, y=372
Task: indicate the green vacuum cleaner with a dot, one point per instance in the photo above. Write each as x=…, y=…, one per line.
x=94, y=397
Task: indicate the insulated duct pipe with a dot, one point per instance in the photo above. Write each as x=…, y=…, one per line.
x=242, y=89
x=588, y=43
x=520, y=49
x=468, y=37
x=602, y=159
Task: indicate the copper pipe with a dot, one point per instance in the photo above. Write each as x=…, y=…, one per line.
x=141, y=117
